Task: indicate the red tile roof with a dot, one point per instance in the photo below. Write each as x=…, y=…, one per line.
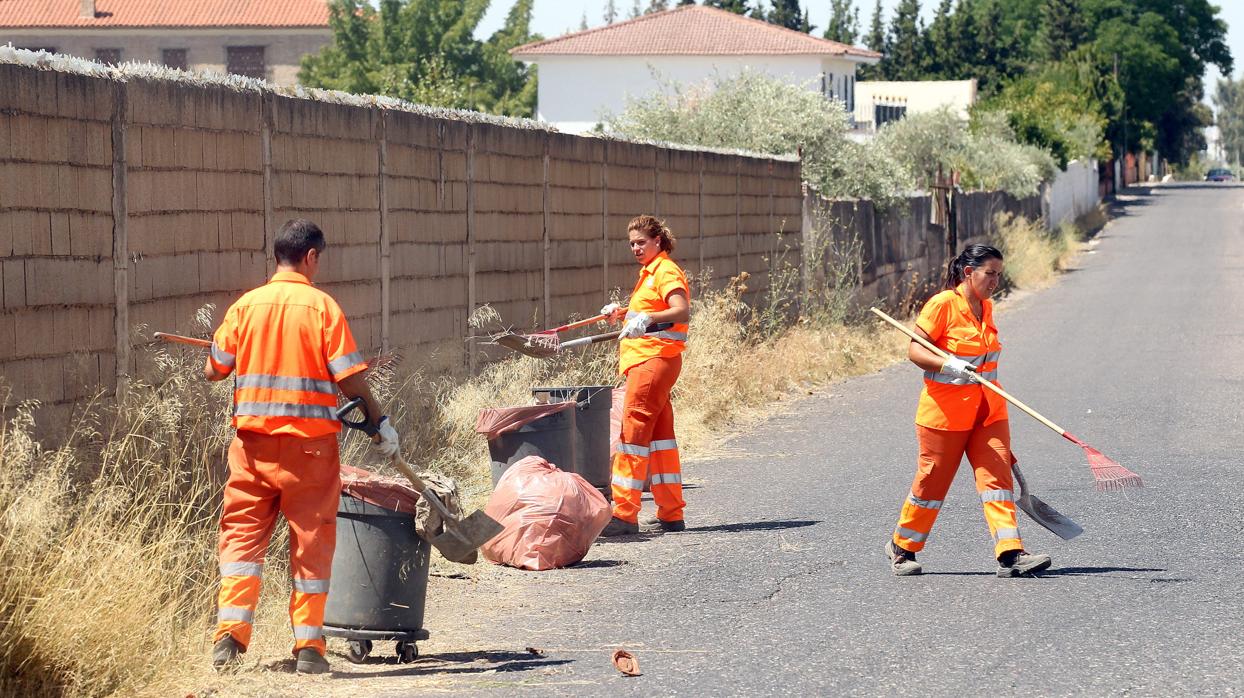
x=39, y=14
x=693, y=30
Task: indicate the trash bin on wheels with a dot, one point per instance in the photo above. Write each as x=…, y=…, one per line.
x=593, y=456
x=380, y=568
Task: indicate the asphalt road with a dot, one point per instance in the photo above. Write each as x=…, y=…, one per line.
x=780, y=585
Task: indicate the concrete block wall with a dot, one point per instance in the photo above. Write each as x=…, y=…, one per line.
x=126, y=207
x=57, y=339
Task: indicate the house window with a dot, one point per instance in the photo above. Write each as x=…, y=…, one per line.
x=108, y=56
x=830, y=87
x=824, y=84
x=850, y=94
x=49, y=49
x=246, y=60
x=174, y=58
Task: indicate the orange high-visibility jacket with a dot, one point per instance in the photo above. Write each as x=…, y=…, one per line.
x=949, y=403
x=657, y=280
x=289, y=343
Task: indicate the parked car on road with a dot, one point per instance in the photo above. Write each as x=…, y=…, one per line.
x=1219, y=174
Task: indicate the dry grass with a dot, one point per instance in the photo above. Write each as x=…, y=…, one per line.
x=1033, y=256
x=107, y=543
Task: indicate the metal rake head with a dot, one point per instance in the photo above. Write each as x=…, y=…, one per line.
x=540, y=345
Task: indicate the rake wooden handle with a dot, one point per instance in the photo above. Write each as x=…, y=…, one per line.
x=179, y=339
x=979, y=379
x=656, y=327
x=573, y=325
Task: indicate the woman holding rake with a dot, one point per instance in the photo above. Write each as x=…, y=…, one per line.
x=956, y=416
x=651, y=362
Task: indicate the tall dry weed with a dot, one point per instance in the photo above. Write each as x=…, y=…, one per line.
x=1033, y=256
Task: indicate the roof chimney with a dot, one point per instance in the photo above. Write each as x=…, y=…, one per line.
x=86, y=9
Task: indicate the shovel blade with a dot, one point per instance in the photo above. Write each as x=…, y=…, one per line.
x=1048, y=517
x=461, y=538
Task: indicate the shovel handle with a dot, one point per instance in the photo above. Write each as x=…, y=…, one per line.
x=179, y=339
x=365, y=425
x=982, y=381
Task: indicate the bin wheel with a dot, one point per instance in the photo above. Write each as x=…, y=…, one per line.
x=358, y=650
x=407, y=651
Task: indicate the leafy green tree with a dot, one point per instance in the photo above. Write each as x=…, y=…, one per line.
x=1229, y=100
x=785, y=13
x=657, y=6
x=876, y=31
x=941, y=43
x=637, y=10
x=1062, y=28
x=611, y=12
x=425, y=51
x=906, y=52
x=738, y=7
x=844, y=22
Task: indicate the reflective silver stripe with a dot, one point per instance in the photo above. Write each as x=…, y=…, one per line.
x=938, y=377
x=990, y=357
x=222, y=357
x=1006, y=533
x=665, y=478
x=311, y=586
x=225, y=613
x=911, y=535
x=666, y=334
x=241, y=569
x=633, y=450
x=284, y=409
x=997, y=496
x=308, y=632
x=924, y=503
x=627, y=482
x=310, y=385
x=664, y=445
x=343, y=363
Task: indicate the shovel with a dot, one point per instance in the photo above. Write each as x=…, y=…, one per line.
x=543, y=345
x=462, y=536
x=1043, y=513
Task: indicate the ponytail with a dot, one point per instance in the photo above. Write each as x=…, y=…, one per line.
x=971, y=256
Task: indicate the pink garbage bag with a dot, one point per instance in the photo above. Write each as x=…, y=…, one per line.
x=550, y=517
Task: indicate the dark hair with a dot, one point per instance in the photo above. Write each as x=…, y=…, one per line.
x=653, y=227
x=297, y=237
x=971, y=256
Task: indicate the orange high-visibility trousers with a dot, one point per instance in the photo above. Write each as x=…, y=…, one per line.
x=648, y=446
x=988, y=449
x=300, y=479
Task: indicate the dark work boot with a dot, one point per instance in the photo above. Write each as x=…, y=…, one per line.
x=618, y=527
x=902, y=562
x=226, y=654
x=311, y=662
x=651, y=524
x=1017, y=563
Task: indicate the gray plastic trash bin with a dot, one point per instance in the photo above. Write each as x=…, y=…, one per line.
x=592, y=457
x=379, y=580
x=551, y=438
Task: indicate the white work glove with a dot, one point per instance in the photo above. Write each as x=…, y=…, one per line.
x=959, y=369
x=635, y=327
x=611, y=310
x=387, y=443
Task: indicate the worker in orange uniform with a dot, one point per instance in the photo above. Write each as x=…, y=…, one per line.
x=291, y=349
x=651, y=362
x=957, y=416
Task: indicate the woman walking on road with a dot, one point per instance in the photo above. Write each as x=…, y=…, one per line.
x=956, y=416
x=651, y=362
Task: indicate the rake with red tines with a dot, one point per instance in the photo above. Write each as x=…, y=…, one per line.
x=1107, y=474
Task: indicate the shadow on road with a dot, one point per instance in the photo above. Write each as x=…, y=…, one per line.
x=752, y=526
x=452, y=663
x=1086, y=571
x=596, y=564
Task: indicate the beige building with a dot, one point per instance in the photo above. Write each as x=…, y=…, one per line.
x=263, y=39
x=880, y=101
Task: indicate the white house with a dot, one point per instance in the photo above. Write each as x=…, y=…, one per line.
x=879, y=101
x=589, y=74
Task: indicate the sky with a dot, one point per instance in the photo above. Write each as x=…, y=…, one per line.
x=556, y=17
